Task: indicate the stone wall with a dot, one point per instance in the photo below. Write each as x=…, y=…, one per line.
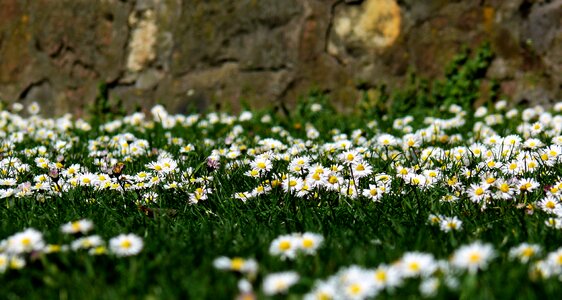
x=195, y=53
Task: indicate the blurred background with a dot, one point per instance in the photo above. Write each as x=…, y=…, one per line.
x=200, y=54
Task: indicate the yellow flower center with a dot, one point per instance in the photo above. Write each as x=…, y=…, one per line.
x=414, y=266
x=26, y=242
x=504, y=187
x=479, y=191
x=380, y=276
x=527, y=252
x=323, y=296
x=355, y=289
x=285, y=245
x=308, y=243
x=237, y=263
x=126, y=244
x=474, y=257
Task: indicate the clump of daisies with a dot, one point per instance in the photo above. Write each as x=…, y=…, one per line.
x=288, y=246
x=28, y=244
x=473, y=257
x=446, y=224
x=279, y=283
x=81, y=226
x=246, y=266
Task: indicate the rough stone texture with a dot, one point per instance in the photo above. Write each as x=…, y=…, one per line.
x=195, y=53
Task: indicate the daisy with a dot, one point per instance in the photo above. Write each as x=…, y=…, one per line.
x=431, y=175
x=322, y=290
x=16, y=262
x=478, y=192
x=473, y=257
x=156, y=166
x=415, y=264
x=4, y=262
x=261, y=164
x=429, y=287
x=187, y=148
x=434, y=219
x=350, y=157
x=254, y=173
x=126, y=245
x=299, y=164
x=533, y=143
x=512, y=167
x=348, y=189
x=549, y=204
x=33, y=108
x=244, y=196
x=356, y=283
x=292, y=184
x=512, y=141
x=148, y=197
x=86, y=242
x=26, y=241
x=554, y=260
x=383, y=179
x=333, y=181
x=524, y=252
x=386, y=277
x=236, y=264
x=316, y=178
x=305, y=189
x=386, y=140
x=450, y=224
x=310, y=242
x=87, y=179
x=373, y=192
x=449, y=198
x=416, y=180
x=200, y=194
x=527, y=184
x=279, y=283
x=82, y=226
x=411, y=141
x=261, y=189
x=554, y=223
x=285, y=246
x=504, y=190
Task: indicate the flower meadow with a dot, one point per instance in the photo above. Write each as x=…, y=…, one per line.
x=218, y=206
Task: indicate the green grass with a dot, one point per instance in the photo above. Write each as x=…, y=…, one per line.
x=179, y=248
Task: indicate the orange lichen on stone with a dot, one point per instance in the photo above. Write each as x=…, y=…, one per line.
x=488, y=15
x=142, y=43
x=379, y=24
x=376, y=24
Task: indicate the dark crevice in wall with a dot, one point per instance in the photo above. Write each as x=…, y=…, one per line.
x=329, y=30
x=26, y=91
